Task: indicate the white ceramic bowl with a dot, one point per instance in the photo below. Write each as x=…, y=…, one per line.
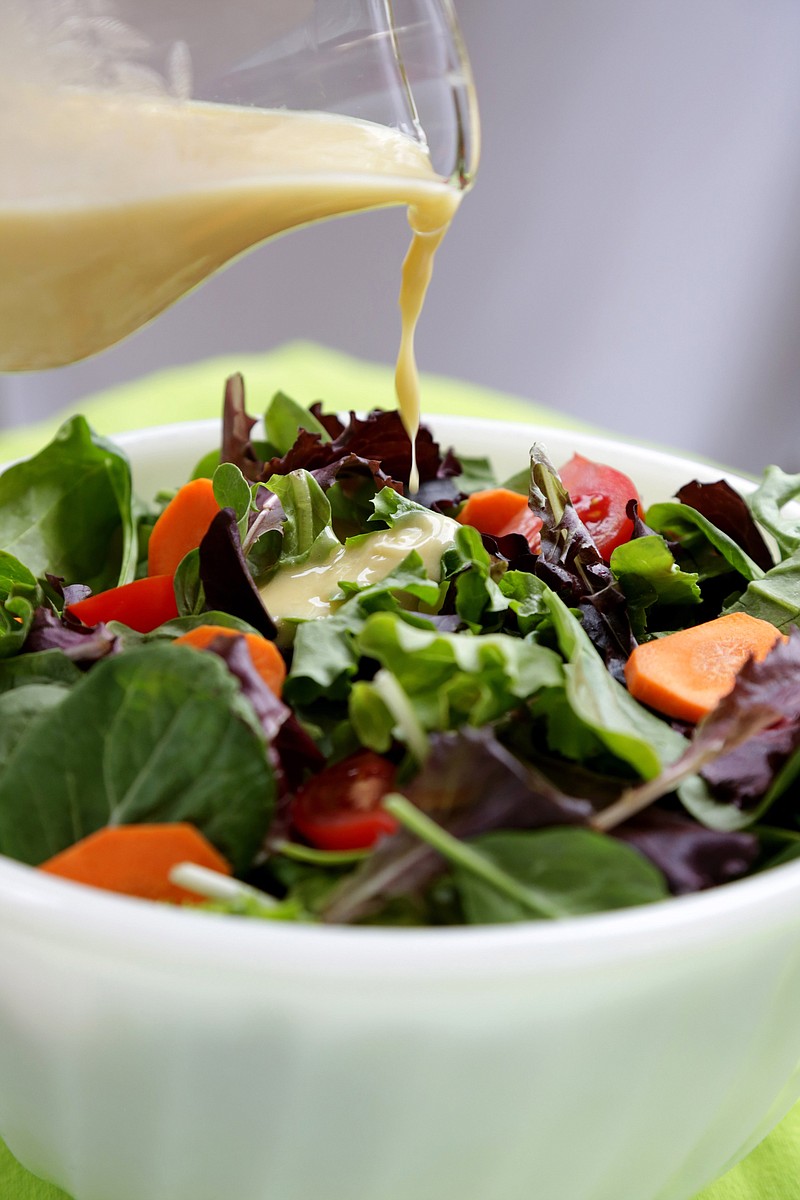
x=149, y=1054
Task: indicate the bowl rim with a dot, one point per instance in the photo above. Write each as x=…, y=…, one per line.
x=59, y=911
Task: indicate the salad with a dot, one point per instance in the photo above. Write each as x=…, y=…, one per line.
x=289, y=690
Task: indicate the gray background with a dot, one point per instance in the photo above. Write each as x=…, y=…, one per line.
x=630, y=253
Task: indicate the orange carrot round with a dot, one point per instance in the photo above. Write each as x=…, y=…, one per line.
x=498, y=511
x=266, y=656
x=136, y=860
x=686, y=674
x=491, y=510
x=181, y=527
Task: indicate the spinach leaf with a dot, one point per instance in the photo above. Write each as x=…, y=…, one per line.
x=554, y=873
x=20, y=707
x=727, y=510
x=231, y=490
x=648, y=574
x=45, y=666
x=159, y=733
x=629, y=731
x=675, y=521
x=477, y=474
x=544, y=873
x=69, y=510
x=284, y=419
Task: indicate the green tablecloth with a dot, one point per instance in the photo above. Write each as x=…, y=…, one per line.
x=772, y=1171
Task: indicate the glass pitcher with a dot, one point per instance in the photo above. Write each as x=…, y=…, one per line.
x=147, y=143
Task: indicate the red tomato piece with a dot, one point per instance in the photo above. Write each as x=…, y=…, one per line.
x=142, y=605
x=600, y=495
x=528, y=525
x=340, y=808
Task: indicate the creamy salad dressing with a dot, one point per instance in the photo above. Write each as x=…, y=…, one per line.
x=308, y=591
x=112, y=207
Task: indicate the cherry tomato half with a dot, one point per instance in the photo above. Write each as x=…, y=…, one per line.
x=600, y=495
x=340, y=808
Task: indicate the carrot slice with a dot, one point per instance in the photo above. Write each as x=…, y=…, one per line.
x=267, y=658
x=181, y=527
x=686, y=674
x=498, y=511
x=491, y=510
x=136, y=860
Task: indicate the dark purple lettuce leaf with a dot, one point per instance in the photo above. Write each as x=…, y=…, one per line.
x=227, y=582
x=691, y=857
x=292, y=750
x=640, y=528
x=470, y=784
x=236, y=429
x=724, y=507
x=377, y=443
x=83, y=644
x=570, y=564
x=743, y=775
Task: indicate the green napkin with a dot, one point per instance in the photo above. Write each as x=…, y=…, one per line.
x=308, y=372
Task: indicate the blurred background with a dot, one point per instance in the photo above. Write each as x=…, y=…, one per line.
x=630, y=253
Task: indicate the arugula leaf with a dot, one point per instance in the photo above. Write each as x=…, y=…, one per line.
x=69, y=510
x=160, y=733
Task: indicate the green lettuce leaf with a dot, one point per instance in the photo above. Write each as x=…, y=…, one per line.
x=455, y=679
x=767, y=502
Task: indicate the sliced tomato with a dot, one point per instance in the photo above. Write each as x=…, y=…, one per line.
x=600, y=495
x=528, y=525
x=340, y=808
x=142, y=605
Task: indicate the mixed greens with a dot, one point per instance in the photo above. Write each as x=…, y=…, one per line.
x=450, y=744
